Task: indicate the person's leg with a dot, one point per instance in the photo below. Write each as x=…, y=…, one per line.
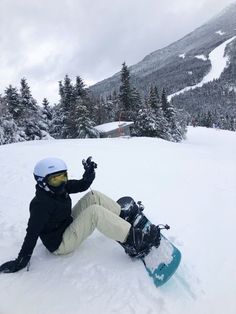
x=98, y=198
x=94, y=216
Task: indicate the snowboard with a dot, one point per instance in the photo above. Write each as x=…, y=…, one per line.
x=161, y=262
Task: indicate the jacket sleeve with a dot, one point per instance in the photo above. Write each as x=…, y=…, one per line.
x=75, y=186
x=39, y=216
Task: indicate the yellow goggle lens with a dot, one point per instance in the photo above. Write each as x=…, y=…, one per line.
x=57, y=179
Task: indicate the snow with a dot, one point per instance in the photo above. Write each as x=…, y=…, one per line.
x=182, y=55
x=201, y=57
x=166, y=251
x=220, y=32
x=110, y=126
x=218, y=63
x=189, y=185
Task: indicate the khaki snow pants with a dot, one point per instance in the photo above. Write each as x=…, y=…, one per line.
x=93, y=210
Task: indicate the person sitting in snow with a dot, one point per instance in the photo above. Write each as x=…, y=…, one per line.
x=61, y=228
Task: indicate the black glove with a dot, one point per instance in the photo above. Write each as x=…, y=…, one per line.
x=15, y=265
x=89, y=167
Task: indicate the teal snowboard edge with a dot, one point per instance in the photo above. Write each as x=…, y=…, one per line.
x=164, y=271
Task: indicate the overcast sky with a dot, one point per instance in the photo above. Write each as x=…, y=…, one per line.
x=43, y=40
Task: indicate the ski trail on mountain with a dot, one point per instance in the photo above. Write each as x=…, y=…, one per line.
x=218, y=64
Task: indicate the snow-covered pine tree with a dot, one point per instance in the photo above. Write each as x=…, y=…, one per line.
x=79, y=88
x=232, y=123
x=30, y=118
x=9, y=132
x=57, y=121
x=145, y=122
x=136, y=101
x=170, y=116
x=46, y=113
x=74, y=102
x=67, y=104
x=215, y=119
x=84, y=125
x=127, y=96
x=161, y=123
x=227, y=122
x=45, y=121
x=150, y=119
x=83, y=93
x=12, y=98
x=114, y=111
x=106, y=110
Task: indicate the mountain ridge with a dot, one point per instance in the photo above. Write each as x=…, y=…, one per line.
x=177, y=65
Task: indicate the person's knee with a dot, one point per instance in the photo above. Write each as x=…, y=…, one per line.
x=92, y=214
x=95, y=209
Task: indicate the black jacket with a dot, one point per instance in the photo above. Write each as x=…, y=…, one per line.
x=50, y=215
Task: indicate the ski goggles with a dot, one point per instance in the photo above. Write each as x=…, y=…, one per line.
x=57, y=179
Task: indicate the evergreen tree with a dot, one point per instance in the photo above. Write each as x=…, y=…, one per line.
x=114, y=111
x=57, y=121
x=175, y=129
x=29, y=120
x=161, y=123
x=145, y=123
x=74, y=102
x=66, y=91
x=157, y=94
x=67, y=104
x=27, y=102
x=79, y=89
x=105, y=110
x=85, y=126
x=21, y=117
x=166, y=106
x=46, y=114
x=137, y=103
x=153, y=100
x=13, y=102
x=126, y=95
x=9, y=132
x=208, y=120
x=150, y=119
x=232, y=123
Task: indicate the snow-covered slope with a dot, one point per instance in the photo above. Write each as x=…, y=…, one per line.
x=189, y=185
x=218, y=64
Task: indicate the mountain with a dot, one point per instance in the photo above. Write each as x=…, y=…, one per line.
x=185, y=63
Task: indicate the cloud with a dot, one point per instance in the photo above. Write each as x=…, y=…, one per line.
x=44, y=40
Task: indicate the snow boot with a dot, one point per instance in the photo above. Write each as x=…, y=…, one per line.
x=134, y=215
x=130, y=213
x=139, y=243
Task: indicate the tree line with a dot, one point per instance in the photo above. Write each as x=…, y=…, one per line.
x=78, y=111
x=218, y=110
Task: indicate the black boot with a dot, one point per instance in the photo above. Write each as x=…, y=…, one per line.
x=130, y=212
x=134, y=215
x=139, y=243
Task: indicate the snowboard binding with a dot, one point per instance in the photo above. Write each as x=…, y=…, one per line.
x=146, y=233
x=132, y=212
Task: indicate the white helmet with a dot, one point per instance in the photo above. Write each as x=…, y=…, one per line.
x=48, y=166
x=45, y=167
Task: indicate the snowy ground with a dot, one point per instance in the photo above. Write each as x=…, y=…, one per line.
x=190, y=185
